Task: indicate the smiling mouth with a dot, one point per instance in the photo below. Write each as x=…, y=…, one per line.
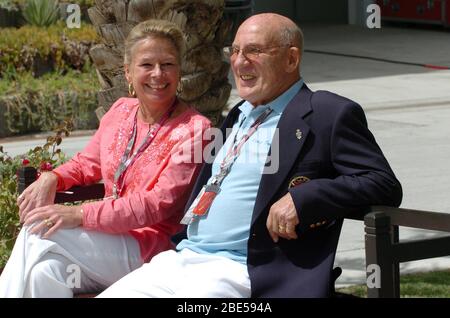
x=246, y=77
x=157, y=86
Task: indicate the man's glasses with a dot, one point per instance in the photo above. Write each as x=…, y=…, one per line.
x=249, y=52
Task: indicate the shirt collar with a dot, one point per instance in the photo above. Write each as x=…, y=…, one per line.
x=278, y=104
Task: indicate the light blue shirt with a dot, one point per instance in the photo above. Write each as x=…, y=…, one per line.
x=225, y=229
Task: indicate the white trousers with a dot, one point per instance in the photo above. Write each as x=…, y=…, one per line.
x=69, y=261
x=184, y=274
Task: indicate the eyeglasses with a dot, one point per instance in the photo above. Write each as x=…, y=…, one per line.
x=249, y=52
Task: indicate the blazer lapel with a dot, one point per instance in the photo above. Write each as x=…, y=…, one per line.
x=292, y=136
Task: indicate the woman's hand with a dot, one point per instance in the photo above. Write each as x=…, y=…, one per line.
x=53, y=217
x=40, y=193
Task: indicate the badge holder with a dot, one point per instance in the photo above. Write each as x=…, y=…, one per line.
x=202, y=203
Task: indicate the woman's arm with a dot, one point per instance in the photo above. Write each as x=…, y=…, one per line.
x=83, y=168
x=167, y=197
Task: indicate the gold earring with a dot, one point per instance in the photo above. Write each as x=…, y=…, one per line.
x=131, y=90
x=179, y=87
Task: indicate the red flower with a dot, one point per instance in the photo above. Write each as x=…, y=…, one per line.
x=46, y=166
x=25, y=162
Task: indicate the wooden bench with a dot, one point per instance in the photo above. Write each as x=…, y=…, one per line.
x=382, y=245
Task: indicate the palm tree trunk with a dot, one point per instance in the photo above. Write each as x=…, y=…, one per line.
x=204, y=80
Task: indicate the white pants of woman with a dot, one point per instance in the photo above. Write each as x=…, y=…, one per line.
x=184, y=274
x=69, y=261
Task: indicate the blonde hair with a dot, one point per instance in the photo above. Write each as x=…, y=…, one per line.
x=154, y=28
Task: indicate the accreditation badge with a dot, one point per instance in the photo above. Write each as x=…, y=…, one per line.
x=202, y=203
x=205, y=202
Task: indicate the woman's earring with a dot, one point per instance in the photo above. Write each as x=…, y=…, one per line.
x=179, y=88
x=131, y=90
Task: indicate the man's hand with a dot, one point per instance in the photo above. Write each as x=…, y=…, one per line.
x=40, y=193
x=53, y=217
x=282, y=219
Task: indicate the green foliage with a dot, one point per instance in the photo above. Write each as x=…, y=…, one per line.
x=82, y=3
x=41, y=12
x=29, y=104
x=9, y=222
x=429, y=285
x=10, y=5
x=42, y=158
x=62, y=48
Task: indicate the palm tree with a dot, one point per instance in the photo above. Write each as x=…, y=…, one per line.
x=204, y=80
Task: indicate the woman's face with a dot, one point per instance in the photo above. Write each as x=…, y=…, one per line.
x=154, y=71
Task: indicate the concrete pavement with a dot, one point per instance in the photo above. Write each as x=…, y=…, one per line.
x=70, y=145
x=416, y=142
x=408, y=110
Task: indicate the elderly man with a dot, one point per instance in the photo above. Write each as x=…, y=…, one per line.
x=259, y=231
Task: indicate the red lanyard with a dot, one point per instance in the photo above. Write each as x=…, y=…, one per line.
x=235, y=149
x=206, y=196
x=127, y=160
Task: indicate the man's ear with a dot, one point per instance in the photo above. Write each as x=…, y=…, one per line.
x=294, y=58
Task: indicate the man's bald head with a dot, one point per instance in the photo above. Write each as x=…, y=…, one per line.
x=266, y=55
x=282, y=29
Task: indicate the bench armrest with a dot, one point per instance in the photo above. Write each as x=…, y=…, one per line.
x=384, y=249
x=27, y=175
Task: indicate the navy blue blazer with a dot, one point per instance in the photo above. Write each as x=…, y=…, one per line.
x=324, y=138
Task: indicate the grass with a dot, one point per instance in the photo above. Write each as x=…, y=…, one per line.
x=419, y=285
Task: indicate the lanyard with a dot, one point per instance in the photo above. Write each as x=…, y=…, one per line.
x=206, y=196
x=127, y=160
x=235, y=149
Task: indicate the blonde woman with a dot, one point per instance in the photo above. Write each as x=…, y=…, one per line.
x=140, y=153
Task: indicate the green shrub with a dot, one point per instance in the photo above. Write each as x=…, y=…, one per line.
x=46, y=157
x=10, y=5
x=19, y=5
x=62, y=48
x=41, y=12
x=28, y=104
x=83, y=3
x=9, y=221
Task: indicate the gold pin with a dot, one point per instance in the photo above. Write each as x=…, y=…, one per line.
x=298, y=134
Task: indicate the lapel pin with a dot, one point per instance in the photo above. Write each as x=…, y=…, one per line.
x=298, y=134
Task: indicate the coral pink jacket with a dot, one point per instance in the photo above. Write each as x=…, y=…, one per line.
x=156, y=187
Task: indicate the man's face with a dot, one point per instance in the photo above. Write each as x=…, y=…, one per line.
x=260, y=78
